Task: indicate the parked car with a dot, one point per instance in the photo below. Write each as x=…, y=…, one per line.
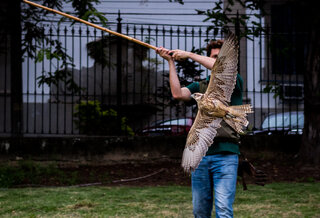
x=169, y=127
x=287, y=123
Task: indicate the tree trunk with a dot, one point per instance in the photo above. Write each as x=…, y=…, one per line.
x=14, y=18
x=310, y=148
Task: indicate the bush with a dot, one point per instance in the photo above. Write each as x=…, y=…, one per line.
x=92, y=119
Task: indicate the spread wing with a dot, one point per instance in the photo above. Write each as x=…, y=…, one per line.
x=200, y=137
x=224, y=72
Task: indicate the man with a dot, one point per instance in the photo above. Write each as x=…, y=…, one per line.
x=217, y=171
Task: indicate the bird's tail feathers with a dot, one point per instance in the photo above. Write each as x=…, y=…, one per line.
x=240, y=121
x=243, y=109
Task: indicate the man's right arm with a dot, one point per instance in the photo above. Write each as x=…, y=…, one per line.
x=177, y=92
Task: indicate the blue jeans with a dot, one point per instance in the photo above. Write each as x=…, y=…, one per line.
x=219, y=173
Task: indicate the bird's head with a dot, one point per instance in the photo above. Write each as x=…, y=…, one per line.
x=197, y=96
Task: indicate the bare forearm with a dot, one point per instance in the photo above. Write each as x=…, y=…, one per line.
x=205, y=61
x=174, y=80
x=176, y=90
x=175, y=87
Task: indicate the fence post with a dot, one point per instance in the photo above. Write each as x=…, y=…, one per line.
x=119, y=73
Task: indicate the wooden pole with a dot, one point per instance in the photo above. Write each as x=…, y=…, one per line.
x=93, y=25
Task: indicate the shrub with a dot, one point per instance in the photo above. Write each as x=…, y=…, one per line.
x=92, y=119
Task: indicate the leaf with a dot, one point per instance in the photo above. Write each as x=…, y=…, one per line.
x=231, y=2
x=179, y=1
x=40, y=56
x=200, y=12
x=267, y=89
x=258, y=15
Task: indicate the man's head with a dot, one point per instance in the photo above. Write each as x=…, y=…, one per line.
x=213, y=48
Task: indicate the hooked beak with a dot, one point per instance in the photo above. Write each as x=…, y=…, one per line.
x=192, y=96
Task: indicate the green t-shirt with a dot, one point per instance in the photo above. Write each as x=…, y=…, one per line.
x=236, y=99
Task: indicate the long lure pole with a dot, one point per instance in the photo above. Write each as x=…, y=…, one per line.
x=93, y=25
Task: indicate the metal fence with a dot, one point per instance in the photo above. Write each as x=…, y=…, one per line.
x=115, y=87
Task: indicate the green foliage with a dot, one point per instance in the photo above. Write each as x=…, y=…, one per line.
x=91, y=118
x=31, y=18
x=149, y=39
x=54, y=78
x=179, y=1
x=10, y=176
x=64, y=75
x=220, y=17
x=35, y=38
x=29, y=172
x=274, y=88
x=85, y=10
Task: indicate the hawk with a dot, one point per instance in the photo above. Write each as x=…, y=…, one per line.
x=213, y=106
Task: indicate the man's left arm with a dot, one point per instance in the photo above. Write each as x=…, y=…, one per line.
x=205, y=61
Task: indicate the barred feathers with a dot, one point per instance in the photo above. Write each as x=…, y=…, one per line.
x=193, y=153
x=245, y=108
x=220, y=87
x=239, y=122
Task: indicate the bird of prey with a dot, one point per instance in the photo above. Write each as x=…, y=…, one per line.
x=213, y=106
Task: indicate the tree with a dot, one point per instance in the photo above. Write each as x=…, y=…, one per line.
x=310, y=148
x=220, y=16
x=34, y=37
x=20, y=26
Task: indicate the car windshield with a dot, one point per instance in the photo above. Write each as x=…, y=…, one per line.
x=284, y=120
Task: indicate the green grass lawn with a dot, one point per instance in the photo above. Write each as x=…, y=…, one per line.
x=272, y=200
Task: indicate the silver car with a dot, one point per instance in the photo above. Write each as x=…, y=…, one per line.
x=287, y=123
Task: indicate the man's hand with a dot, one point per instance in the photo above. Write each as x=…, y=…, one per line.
x=180, y=55
x=164, y=53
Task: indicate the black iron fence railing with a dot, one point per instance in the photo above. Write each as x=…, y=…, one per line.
x=110, y=86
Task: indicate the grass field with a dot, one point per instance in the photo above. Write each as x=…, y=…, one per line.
x=272, y=200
